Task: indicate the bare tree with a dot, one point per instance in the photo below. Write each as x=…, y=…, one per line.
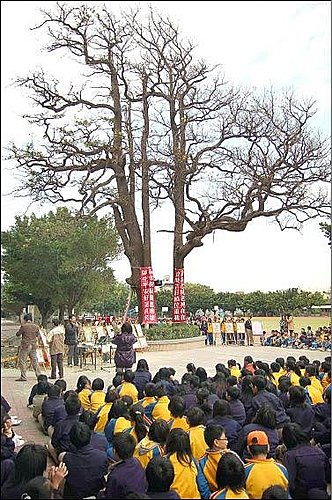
x=226, y=156
x=155, y=120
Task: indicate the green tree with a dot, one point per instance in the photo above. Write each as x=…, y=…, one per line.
x=164, y=299
x=58, y=260
x=326, y=229
x=199, y=297
x=113, y=300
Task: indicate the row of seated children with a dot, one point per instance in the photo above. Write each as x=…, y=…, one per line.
x=160, y=423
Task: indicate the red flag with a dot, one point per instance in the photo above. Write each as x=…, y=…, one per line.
x=148, y=300
x=179, y=304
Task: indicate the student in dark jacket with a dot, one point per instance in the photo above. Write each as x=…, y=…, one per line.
x=202, y=395
x=222, y=416
x=264, y=420
x=40, y=379
x=308, y=466
x=46, y=418
x=160, y=476
x=31, y=461
x=7, y=438
x=86, y=466
x=246, y=396
x=60, y=412
x=60, y=438
x=142, y=377
x=262, y=396
x=127, y=475
x=237, y=409
x=190, y=386
x=5, y=406
x=165, y=380
x=284, y=385
x=299, y=410
x=323, y=410
x=98, y=440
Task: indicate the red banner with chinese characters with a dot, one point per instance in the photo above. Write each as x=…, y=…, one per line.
x=148, y=300
x=179, y=304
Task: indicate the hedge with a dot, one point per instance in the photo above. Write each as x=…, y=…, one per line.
x=170, y=332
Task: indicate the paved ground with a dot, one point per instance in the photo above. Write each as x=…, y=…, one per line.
x=17, y=392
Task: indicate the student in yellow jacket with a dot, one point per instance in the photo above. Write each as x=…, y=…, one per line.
x=149, y=402
x=232, y=366
x=310, y=372
x=230, y=477
x=217, y=442
x=262, y=472
x=313, y=393
x=127, y=388
x=97, y=397
x=185, y=467
x=153, y=445
x=103, y=410
x=195, y=417
x=161, y=408
x=177, y=408
x=83, y=389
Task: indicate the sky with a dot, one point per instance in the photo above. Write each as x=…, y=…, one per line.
x=284, y=44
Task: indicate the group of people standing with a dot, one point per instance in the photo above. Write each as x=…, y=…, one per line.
x=61, y=336
x=235, y=330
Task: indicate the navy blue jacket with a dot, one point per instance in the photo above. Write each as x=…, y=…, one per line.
x=237, y=410
x=272, y=435
x=264, y=397
x=304, y=416
x=127, y=475
x=232, y=429
x=48, y=408
x=86, y=470
x=308, y=468
x=60, y=438
x=98, y=441
x=322, y=411
x=7, y=448
x=189, y=399
x=59, y=414
x=140, y=381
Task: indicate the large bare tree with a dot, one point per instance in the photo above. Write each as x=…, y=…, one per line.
x=152, y=119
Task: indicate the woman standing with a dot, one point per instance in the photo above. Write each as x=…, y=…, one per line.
x=124, y=355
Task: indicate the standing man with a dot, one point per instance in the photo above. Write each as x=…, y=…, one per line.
x=71, y=340
x=29, y=332
x=56, y=341
x=248, y=330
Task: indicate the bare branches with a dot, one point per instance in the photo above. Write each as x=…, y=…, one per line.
x=152, y=117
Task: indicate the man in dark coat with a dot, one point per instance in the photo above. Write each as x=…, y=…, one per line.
x=71, y=340
x=124, y=355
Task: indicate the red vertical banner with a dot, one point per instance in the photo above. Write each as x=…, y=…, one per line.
x=148, y=300
x=179, y=304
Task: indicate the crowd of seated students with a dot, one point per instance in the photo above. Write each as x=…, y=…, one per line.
x=250, y=431
x=305, y=339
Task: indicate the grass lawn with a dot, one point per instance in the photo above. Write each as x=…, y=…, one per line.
x=272, y=323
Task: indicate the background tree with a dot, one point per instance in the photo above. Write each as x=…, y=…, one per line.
x=326, y=229
x=151, y=115
x=58, y=260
